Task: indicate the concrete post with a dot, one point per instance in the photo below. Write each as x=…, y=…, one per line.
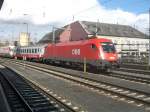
x=84, y=64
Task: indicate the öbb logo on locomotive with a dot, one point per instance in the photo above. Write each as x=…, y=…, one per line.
x=75, y=51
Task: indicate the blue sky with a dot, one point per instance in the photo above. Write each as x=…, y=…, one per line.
x=135, y=6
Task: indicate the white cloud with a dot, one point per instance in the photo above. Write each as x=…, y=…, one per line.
x=62, y=11
x=43, y=11
x=116, y=16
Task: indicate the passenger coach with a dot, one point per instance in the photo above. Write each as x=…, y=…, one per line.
x=30, y=52
x=7, y=51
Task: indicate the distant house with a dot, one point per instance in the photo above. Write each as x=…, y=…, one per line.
x=127, y=39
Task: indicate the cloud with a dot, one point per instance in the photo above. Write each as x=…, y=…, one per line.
x=61, y=12
x=116, y=16
x=41, y=12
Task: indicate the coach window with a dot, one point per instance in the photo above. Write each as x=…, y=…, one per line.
x=19, y=50
x=38, y=50
x=35, y=50
x=32, y=50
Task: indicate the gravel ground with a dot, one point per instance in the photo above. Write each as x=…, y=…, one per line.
x=84, y=97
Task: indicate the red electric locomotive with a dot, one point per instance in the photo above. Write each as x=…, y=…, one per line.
x=99, y=53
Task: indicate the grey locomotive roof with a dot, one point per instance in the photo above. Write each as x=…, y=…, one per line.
x=112, y=30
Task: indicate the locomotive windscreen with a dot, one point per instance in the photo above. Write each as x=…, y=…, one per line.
x=108, y=47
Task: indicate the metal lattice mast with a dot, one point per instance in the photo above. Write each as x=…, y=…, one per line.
x=149, y=40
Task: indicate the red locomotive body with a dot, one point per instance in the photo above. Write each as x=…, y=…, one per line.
x=99, y=53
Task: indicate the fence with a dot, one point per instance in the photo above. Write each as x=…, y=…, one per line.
x=133, y=53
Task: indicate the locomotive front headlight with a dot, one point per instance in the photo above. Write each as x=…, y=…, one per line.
x=112, y=57
x=102, y=56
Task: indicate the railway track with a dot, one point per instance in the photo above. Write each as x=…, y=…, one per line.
x=133, y=70
x=144, y=79
x=136, y=66
x=24, y=96
x=137, y=77
x=113, y=91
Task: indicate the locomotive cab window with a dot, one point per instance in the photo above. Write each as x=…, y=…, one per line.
x=93, y=46
x=108, y=47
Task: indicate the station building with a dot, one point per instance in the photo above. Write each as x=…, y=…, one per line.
x=24, y=39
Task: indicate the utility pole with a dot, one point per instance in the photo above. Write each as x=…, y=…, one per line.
x=53, y=29
x=149, y=40
x=1, y=3
x=26, y=27
x=96, y=31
